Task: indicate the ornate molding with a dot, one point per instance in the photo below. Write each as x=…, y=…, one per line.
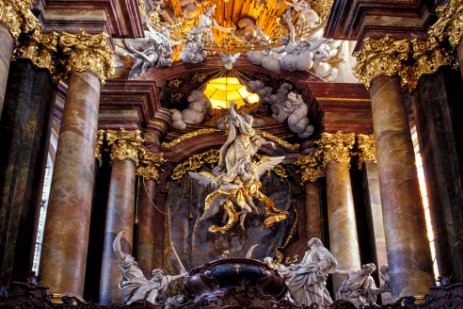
x=188, y=136
x=195, y=162
x=336, y=147
x=88, y=52
x=311, y=166
x=17, y=17
x=277, y=140
x=100, y=137
x=150, y=166
x=450, y=23
x=125, y=145
x=40, y=48
x=380, y=56
x=429, y=56
x=367, y=146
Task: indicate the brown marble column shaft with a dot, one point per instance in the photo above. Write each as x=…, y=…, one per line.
x=147, y=217
x=6, y=51
x=119, y=217
x=65, y=243
x=408, y=254
x=313, y=224
x=341, y=218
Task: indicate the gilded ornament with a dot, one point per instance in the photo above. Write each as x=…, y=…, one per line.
x=336, y=147
x=429, y=56
x=88, y=52
x=380, y=56
x=150, y=166
x=176, y=97
x=279, y=141
x=17, y=17
x=311, y=166
x=40, y=48
x=450, y=23
x=366, y=143
x=195, y=162
x=188, y=136
x=200, y=77
x=125, y=145
x=174, y=83
x=100, y=135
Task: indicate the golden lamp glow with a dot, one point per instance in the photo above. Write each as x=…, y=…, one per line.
x=221, y=91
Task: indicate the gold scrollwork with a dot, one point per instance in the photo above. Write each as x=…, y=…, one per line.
x=188, y=136
x=311, y=166
x=199, y=77
x=380, y=56
x=125, y=145
x=336, y=147
x=367, y=145
x=88, y=52
x=195, y=162
x=150, y=166
x=100, y=136
x=429, y=56
x=40, y=48
x=450, y=23
x=279, y=141
x=17, y=17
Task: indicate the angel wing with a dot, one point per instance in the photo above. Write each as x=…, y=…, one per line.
x=216, y=201
x=205, y=179
x=266, y=163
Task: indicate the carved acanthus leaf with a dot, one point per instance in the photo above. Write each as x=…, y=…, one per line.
x=311, y=166
x=125, y=145
x=150, y=166
x=336, y=147
x=367, y=146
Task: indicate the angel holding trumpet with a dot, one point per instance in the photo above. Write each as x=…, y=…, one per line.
x=236, y=179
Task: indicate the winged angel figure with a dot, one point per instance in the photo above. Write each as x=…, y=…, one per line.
x=236, y=179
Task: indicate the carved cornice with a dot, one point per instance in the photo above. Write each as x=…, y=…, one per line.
x=367, y=146
x=429, y=56
x=125, y=145
x=150, y=166
x=311, y=166
x=450, y=23
x=17, y=16
x=380, y=56
x=336, y=147
x=88, y=52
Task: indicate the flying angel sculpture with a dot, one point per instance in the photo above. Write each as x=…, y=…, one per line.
x=236, y=179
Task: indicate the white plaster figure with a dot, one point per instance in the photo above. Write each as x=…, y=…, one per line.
x=133, y=285
x=358, y=288
x=308, y=283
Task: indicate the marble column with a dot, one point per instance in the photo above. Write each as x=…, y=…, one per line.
x=24, y=136
x=15, y=15
x=65, y=244
x=342, y=224
x=409, y=258
x=311, y=170
x=437, y=104
x=125, y=152
x=149, y=211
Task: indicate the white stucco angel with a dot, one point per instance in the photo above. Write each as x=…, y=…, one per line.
x=134, y=285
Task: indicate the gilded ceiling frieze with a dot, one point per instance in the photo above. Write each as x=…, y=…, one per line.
x=88, y=52
x=336, y=147
x=380, y=56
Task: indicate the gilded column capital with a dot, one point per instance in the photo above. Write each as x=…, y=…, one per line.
x=336, y=147
x=40, y=48
x=450, y=23
x=380, y=56
x=429, y=56
x=150, y=166
x=366, y=143
x=88, y=52
x=125, y=145
x=17, y=17
x=311, y=167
